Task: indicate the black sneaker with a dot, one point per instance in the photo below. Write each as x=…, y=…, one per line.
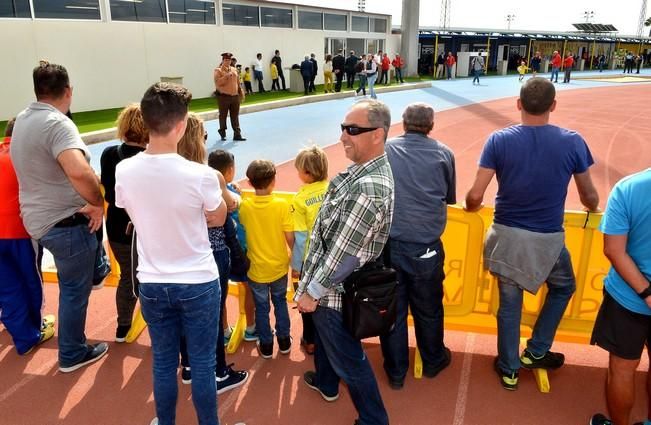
x=431, y=373
x=186, y=375
x=231, y=379
x=266, y=349
x=310, y=379
x=509, y=381
x=600, y=419
x=222, y=134
x=95, y=353
x=550, y=360
x=284, y=344
x=396, y=384
x=121, y=333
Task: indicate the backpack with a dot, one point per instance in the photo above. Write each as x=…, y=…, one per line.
x=359, y=67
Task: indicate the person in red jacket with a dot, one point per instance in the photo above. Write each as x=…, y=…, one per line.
x=567, y=66
x=449, y=64
x=21, y=291
x=556, y=65
x=385, y=66
x=398, y=63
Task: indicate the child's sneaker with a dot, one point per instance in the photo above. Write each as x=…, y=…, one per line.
x=231, y=379
x=250, y=336
x=228, y=333
x=121, y=333
x=284, y=344
x=46, y=333
x=186, y=375
x=48, y=320
x=266, y=349
x=549, y=360
x=509, y=381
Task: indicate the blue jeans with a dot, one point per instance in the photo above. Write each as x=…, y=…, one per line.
x=449, y=69
x=476, y=73
x=75, y=251
x=337, y=356
x=371, y=85
x=171, y=310
x=261, y=291
x=21, y=292
x=561, y=285
x=554, y=76
x=398, y=72
x=420, y=287
x=223, y=260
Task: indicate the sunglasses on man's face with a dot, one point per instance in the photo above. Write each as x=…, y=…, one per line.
x=354, y=130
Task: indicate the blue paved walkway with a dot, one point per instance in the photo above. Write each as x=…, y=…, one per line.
x=278, y=134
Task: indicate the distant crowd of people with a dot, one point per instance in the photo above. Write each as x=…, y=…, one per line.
x=180, y=229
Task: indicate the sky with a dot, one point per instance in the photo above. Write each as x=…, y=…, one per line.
x=550, y=15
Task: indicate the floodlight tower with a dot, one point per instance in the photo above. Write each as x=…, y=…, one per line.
x=509, y=18
x=446, y=6
x=640, y=24
x=361, y=5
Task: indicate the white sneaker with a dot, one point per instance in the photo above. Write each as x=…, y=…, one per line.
x=154, y=421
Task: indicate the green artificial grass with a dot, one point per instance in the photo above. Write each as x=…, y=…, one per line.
x=105, y=118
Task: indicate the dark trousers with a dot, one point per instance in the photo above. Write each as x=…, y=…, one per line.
x=259, y=77
x=398, y=72
x=384, y=77
x=566, y=77
x=125, y=295
x=222, y=258
x=350, y=79
x=248, y=87
x=420, y=287
x=338, y=356
x=312, y=87
x=339, y=77
x=229, y=104
x=306, y=83
x=282, y=77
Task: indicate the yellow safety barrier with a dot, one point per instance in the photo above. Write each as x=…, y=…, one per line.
x=470, y=293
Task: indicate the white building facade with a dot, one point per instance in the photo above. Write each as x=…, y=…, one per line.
x=115, y=49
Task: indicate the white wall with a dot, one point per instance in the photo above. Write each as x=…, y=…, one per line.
x=112, y=64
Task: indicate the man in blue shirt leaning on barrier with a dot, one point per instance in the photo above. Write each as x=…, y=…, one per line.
x=525, y=246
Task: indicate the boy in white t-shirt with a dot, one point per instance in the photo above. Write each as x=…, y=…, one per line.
x=169, y=200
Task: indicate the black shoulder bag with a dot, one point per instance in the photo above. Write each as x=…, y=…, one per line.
x=369, y=299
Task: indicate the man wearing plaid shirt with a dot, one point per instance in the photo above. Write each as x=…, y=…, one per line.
x=350, y=230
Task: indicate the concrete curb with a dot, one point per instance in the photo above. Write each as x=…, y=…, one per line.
x=110, y=133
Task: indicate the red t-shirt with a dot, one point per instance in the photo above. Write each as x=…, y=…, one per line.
x=398, y=63
x=556, y=61
x=568, y=62
x=11, y=225
x=450, y=60
x=386, y=63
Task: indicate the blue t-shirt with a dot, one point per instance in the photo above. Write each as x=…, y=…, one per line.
x=235, y=215
x=534, y=165
x=628, y=212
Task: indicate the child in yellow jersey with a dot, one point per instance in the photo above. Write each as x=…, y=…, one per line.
x=275, y=85
x=522, y=69
x=246, y=78
x=269, y=231
x=312, y=166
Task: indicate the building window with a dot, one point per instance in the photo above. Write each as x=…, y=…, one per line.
x=378, y=25
x=360, y=23
x=335, y=22
x=357, y=45
x=237, y=14
x=278, y=18
x=192, y=11
x=138, y=10
x=374, y=46
x=310, y=20
x=15, y=9
x=66, y=9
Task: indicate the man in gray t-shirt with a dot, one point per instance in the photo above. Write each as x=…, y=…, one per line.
x=425, y=183
x=61, y=204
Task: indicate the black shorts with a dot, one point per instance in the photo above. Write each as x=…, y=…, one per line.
x=620, y=331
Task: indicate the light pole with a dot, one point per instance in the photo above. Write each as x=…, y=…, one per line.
x=509, y=18
x=361, y=5
x=588, y=15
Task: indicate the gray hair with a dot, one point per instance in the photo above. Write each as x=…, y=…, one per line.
x=379, y=114
x=418, y=117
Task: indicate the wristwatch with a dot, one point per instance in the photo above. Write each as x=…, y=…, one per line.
x=645, y=293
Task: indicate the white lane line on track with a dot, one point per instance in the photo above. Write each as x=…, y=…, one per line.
x=462, y=394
